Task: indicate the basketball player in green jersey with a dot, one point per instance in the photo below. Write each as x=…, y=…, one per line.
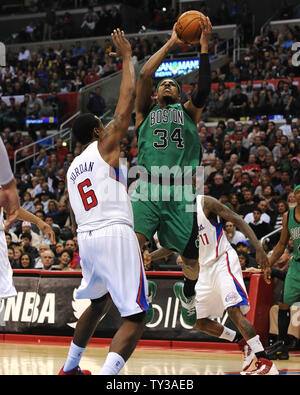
x=291, y=293
x=168, y=141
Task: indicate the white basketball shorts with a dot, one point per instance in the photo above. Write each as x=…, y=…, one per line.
x=7, y=288
x=220, y=286
x=111, y=262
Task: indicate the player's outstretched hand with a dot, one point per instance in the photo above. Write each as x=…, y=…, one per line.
x=9, y=200
x=267, y=275
x=206, y=31
x=121, y=44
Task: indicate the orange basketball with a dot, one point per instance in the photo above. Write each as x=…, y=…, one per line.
x=188, y=28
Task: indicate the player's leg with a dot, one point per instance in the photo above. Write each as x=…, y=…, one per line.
x=124, y=343
x=85, y=328
x=291, y=294
x=185, y=291
x=126, y=282
x=146, y=222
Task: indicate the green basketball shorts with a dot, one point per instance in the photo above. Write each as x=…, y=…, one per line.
x=291, y=292
x=169, y=211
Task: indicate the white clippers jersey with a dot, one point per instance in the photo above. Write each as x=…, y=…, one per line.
x=97, y=192
x=212, y=240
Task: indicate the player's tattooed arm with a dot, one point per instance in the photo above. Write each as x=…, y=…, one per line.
x=213, y=206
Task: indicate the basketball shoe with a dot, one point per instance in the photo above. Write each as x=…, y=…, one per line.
x=188, y=310
x=74, y=372
x=278, y=351
x=248, y=354
x=152, y=287
x=263, y=367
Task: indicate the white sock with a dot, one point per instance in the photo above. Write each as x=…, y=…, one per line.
x=113, y=364
x=255, y=344
x=73, y=358
x=228, y=334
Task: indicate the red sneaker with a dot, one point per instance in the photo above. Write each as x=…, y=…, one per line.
x=248, y=354
x=263, y=367
x=74, y=372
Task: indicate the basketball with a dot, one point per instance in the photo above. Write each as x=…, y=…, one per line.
x=188, y=28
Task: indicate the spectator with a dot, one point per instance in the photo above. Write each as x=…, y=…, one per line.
x=96, y=104
x=49, y=24
x=262, y=205
x=26, y=240
x=47, y=259
x=233, y=235
x=259, y=227
x=71, y=246
x=27, y=261
x=27, y=229
x=41, y=160
x=248, y=204
x=64, y=261
x=238, y=103
x=27, y=203
x=219, y=187
x=38, y=261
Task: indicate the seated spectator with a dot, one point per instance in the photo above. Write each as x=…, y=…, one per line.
x=10, y=254
x=38, y=262
x=62, y=215
x=96, y=104
x=245, y=262
x=18, y=251
x=282, y=207
x=263, y=206
x=47, y=259
x=248, y=205
x=218, y=187
x=41, y=160
x=52, y=208
x=233, y=235
x=64, y=261
x=71, y=246
x=35, y=238
x=27, y=202
x=27, y=247
x=91, y=76
x=227, y=151
x=238, y=104
x=259, y=227
x=26, y=261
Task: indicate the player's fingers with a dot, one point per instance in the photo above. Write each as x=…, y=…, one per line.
x=10, y=219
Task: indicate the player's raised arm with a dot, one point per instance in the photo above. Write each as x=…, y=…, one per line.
x=118, y=127
x=195, y=105
x=144, y=85
x=213, y=206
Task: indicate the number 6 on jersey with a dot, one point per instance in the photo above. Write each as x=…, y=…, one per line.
x=88, y=197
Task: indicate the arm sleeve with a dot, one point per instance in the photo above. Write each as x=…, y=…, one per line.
x=6, y=175
x=200, y=94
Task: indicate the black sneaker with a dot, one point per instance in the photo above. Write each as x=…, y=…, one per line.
x=280, y=352
x=274, y=346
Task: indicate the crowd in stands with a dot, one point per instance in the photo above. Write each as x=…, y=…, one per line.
x=252, y=166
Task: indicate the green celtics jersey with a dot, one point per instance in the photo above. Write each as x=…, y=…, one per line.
x=168, y=141
x=294, y=230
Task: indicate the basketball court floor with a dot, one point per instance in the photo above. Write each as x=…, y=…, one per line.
x=47, y=359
